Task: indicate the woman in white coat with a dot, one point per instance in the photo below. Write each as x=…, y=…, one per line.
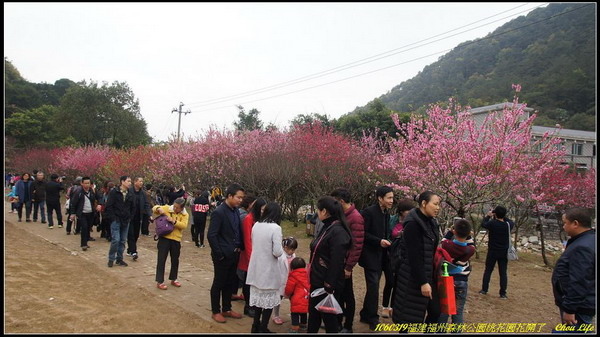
x=264, y=275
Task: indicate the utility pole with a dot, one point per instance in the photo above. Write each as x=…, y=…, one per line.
x=180, y=112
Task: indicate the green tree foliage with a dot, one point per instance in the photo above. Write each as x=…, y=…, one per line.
x=68, y=113
x=550, y=52
x=302, y=119
x=248, y=120
x=374, y=117
x=106, y=115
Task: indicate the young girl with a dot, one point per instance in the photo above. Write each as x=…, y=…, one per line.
x=289, y=248
x=298, y=290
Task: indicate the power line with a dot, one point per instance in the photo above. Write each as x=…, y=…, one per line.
x=397, y=64
x=361, y=61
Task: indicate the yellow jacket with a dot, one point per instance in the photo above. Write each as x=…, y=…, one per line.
x=181, y=220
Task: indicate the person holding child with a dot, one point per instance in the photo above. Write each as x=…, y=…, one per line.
x=461, y=251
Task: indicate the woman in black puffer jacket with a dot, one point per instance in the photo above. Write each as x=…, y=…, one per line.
x=416, y=283
x=328, y=255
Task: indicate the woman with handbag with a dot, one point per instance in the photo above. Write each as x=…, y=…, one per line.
x=170, y=244
x=326, y=269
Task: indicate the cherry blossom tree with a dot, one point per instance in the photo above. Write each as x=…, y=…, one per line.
x=467, y=164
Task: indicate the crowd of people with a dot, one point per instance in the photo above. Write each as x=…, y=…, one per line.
x=249, y=250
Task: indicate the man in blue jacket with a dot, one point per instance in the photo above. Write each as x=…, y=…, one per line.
x=574, y=277
x=119, y=210
x=226, y=242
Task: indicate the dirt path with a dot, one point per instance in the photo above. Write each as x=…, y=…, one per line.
x=52, y=286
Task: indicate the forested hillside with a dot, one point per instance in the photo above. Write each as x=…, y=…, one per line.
x=550, y=52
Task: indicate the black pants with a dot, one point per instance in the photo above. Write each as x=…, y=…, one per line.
x=145, y=224
x=85, y=221
x=105, y=226
x=243, y=275
x=298, y=319
x=27, y=210
x=490, y=263
x=134, y=233
x=52, y=206
x=167, y=247
x=224, y=281
x=70, y=224
x=198, y=229
x=371, y=302
x=389, y=283
x=348, y=304
x=261, y=319
x=315, y=317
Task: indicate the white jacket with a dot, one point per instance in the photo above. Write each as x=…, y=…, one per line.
x=264, y=269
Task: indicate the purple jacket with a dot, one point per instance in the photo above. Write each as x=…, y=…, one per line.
x=357, y=227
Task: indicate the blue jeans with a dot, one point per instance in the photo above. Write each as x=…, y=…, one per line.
x=460, y=292
x=41, y=205
x=117, y=244
x=577, y=328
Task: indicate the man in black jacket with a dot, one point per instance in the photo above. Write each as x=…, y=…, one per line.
x=53, y=189
x=120, y=206
x=142, y=213
x=574, y=277
x=374, y=257
x=499, y=228
x=38, y=197
x=82, y=206
x=226, y=242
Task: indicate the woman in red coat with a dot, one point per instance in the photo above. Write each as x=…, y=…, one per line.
x=242, y=268
x=298, y=290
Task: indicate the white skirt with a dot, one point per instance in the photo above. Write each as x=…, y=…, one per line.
x=265, y=299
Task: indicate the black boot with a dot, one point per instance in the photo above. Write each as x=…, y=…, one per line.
x=248, y=311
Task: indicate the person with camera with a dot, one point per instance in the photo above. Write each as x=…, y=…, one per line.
x=53, y=189
x=499, y=228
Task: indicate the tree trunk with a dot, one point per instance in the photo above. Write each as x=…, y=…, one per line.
x=541, y=229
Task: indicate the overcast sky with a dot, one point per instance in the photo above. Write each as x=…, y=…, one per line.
x=198, y=52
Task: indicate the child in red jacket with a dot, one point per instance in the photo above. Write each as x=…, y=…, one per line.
x=297, y=289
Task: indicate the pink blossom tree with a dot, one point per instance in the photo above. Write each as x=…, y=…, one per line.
x=468, y=165
x=81, y=161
